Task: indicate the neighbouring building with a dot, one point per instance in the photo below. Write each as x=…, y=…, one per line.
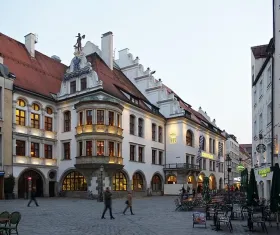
x=6, y=114
x=247, y=148
x=265, y=106
x=187, y=132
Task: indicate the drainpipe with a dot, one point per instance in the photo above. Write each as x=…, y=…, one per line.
x=272, y=87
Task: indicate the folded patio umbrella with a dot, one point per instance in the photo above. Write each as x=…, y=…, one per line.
x=252, y=190
x=275, y=189
x=244, y=180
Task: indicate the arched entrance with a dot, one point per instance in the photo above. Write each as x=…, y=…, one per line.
x=171, y=179
x=138, y=182
x=191, y=182
x=36, y=181
x=74, y=181
x=200, y=182
x=119, y=181
x=212, y=182
x=156, y=183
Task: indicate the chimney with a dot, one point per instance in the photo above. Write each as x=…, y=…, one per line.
x=107, y=49
x=30, y=41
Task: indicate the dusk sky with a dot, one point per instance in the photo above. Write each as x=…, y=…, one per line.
x=200, y=49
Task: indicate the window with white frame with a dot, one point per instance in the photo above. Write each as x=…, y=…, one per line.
x=269, y=76
x=269, y=114
x=261, y=123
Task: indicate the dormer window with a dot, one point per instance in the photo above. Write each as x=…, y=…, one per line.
x=72, y=87
x=83, y=84
x=135, y=101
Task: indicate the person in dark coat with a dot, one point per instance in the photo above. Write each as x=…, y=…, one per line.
x=108, y=203
x=33, y=197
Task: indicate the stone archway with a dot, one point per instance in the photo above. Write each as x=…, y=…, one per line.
x=138, y=181
x=37, y=180
x=212, y=182
x=200, y=179
x=191, y=180
x=157, y=183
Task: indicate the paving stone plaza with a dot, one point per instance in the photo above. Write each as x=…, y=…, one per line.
x=65, y=216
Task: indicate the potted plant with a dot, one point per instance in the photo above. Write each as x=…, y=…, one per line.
x=9, y=184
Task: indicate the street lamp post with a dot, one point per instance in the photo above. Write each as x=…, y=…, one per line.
x=228, y=161
x=101, y=184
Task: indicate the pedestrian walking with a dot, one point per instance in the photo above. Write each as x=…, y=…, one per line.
x=107, y=203
x=128, y=203
x=33, y=197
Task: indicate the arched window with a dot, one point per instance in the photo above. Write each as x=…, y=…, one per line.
x=172, y=179
x=202, y=144
x=132, y=124
x=138, y=182
x=35, y=107
x=189, y=138
x=119, y=182
x=140, y=127
x=156, y=183
x=67, y=121
x=74, y=181
x=49, y=111
x=21, y=103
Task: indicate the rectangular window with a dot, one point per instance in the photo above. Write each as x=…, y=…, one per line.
x=214, y=146
x=118, y=120
x=20, y=117
x=192, y=160
x=100, y=117
x=204, y=164
x=48, y=123
x=160, y=158
x=140, y=153
x=154, y=156
x=111, y=118
x=66, y=148
x=214, y=165
x=210, y=145
x=111, y=149
x=160, y=134
x=89, y=117
x=35, y=120
x=154, y=132
x=35, y=149
x=140, y=127
x=72, y=87
x=187, y=159
x=100, y=147
x=20, y=148
x=89, y=148
x=80, y=118
x=132, y=153
x=132, y=124
x=83, y=84
x=118, y=149
x=80, y=148
x=48, y=151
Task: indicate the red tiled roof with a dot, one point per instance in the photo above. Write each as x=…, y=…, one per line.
x=260, y=51
x=41, y=74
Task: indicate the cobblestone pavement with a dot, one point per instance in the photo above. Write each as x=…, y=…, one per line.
x=153, y=216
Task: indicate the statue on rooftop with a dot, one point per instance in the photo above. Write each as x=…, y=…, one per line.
x=78, y=44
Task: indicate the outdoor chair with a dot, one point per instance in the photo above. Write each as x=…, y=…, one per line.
x=12, y=226
x=259, y=220
x=3, y=215
x=226, y=220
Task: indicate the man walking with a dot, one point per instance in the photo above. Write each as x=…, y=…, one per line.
x=33, y=197
x=108, y=203
x=128, y=203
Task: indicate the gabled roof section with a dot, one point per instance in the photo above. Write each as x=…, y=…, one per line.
x=260, y=51
x=41, y=74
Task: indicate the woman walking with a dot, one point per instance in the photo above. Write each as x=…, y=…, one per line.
x=128, y=203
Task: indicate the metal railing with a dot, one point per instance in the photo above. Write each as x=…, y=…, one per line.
x=185, y=166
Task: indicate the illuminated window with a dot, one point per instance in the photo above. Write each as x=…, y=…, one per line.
x=20, y=117
x=100, y=147
x=172, y=179
x=48, y=151
x=74, y=181
x=21, y=103
x=20, y=148
x=111, y=148
x=89, y=117
x=189, y=138
x=35, y=149
x=100, y=117
x=119, y=182
x=156, y=183
x=48, y=123
x=35, y=107
x=137, y=182
x=49, y=111
x=111, y=118
x=67, y=121
x=89, y=148
x=35, y=120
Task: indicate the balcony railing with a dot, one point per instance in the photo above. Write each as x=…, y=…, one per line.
x=36, y=132
x=182, y=166
x=99, y=160
x=100, y=129
x=34, y=161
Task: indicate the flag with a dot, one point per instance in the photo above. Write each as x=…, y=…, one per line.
x=201, y=142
